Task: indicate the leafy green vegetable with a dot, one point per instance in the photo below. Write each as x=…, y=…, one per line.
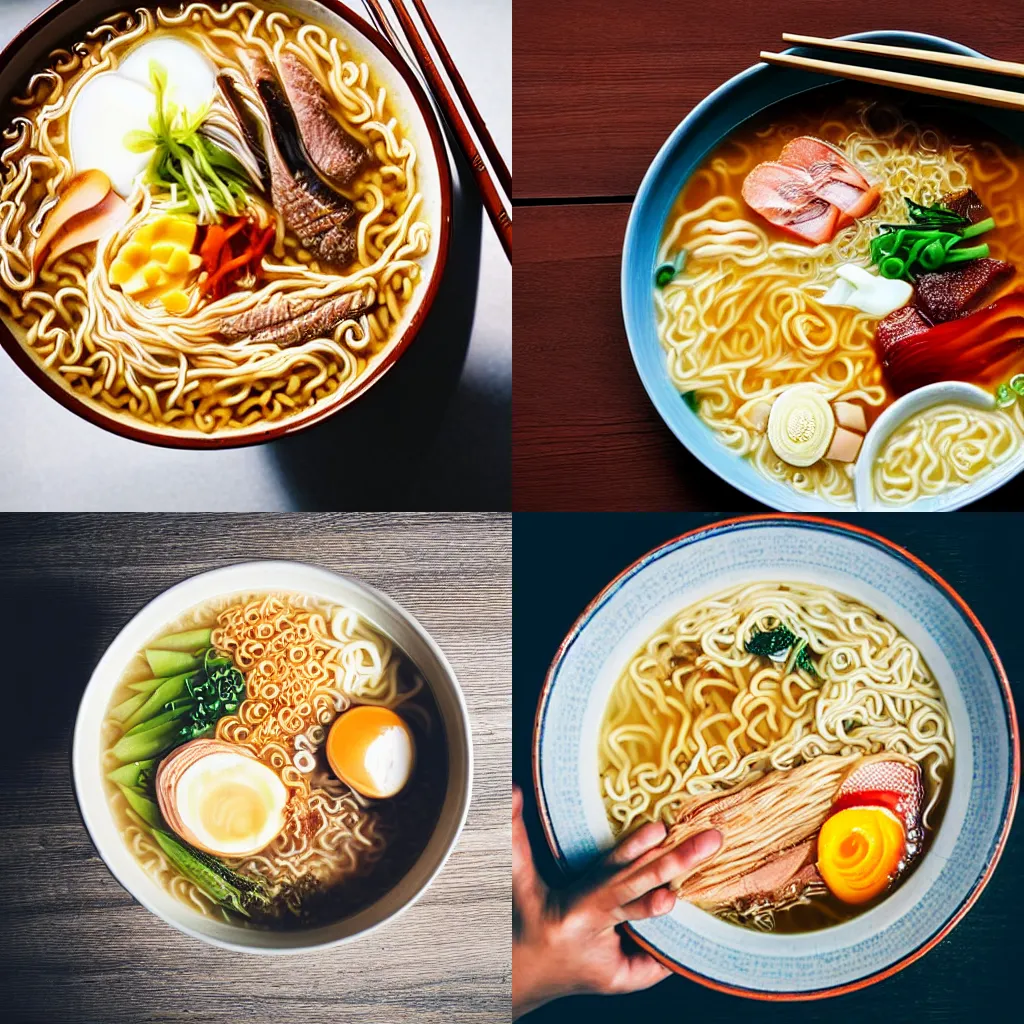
x=203, y=178
x=800, y=657
x=158, y=700
x=135, y=774
x=216, y=690
x=191, y=641
x=932, y=240
x=170, y=663
x=690, y=398
x=933, y=215
x=145, y=808
x=141, y=746
x=181, y=707
x=769, y=642
x=227, y=887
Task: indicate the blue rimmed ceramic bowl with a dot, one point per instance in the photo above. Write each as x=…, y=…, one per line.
x=964, y=850
x=716, y=117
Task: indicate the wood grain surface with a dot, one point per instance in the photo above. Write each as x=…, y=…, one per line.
x=598, y=88
x=74, y=946
x=563, y=561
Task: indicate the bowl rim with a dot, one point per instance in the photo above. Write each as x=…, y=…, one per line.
x=465, y=794
x=864, y=535
x=786, y=499
x=195, y=441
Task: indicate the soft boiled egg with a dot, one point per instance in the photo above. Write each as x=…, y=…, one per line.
x=115, y=103
x=860, y=851
x=220, y=798
x=371, y=749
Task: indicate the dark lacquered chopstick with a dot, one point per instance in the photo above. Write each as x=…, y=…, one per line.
x=488, y=191
x=468, y=104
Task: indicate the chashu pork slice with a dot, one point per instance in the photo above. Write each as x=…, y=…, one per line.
x=335, y=153
x=777, y=882
x=288, y=320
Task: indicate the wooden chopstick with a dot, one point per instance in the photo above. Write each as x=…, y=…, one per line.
x=955, y=60
x=488, y=192
x=475, y=118
x=911, y=83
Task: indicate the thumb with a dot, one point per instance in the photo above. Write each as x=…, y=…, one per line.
x=528, y=891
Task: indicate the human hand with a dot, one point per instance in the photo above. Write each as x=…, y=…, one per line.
x=566, y=942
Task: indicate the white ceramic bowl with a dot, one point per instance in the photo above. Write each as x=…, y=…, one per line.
x=387, y=617
x=965, y=848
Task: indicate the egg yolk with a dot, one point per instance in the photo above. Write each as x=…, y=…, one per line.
x=231, y=811
x=859, y=852
x=371, y=749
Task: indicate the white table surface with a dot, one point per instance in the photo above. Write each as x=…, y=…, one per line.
x=438, y=423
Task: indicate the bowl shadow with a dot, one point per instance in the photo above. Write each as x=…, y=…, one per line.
x=369, y=455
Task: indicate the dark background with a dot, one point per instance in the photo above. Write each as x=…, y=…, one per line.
x=598, y=88
x=561, y=562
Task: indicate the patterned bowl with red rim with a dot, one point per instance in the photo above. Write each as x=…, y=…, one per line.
x=965, y=848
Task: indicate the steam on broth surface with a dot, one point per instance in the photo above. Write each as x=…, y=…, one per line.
x=287, y=766
x=777, y=292
x=210, y=217
x=805, y=728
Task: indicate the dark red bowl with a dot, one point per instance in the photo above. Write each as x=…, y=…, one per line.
x=65, y=22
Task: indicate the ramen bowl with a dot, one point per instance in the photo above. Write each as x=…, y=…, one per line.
x=760, y=90
x=388, y=619
x=965, y=847
x=67, y=22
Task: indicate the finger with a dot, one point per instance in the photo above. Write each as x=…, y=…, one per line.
x=642, y=840
x=631, y=883
x=527, y=888
x=638, y=970
x=656, y=903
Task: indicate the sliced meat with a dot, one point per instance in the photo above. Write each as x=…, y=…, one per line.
x=822, y=161
x=287, y=320
x=760, y=820
x=784, y=197
x=948, y=294
x=884, y=780
x=811, y=191
x=900, y=324
x=334, y=152
x=833, y=177
x=319, y=216
x=967, y=203
x=780, y=879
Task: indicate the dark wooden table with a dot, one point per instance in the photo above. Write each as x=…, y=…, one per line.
x=598, y=87
x=74, y=946
x=562, y=561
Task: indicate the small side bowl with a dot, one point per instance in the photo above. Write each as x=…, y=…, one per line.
x=390, y=619
x=67, y=20
x=983, y=795
x=895, y=416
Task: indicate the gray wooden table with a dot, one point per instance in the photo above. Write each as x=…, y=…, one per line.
x=74, y=946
